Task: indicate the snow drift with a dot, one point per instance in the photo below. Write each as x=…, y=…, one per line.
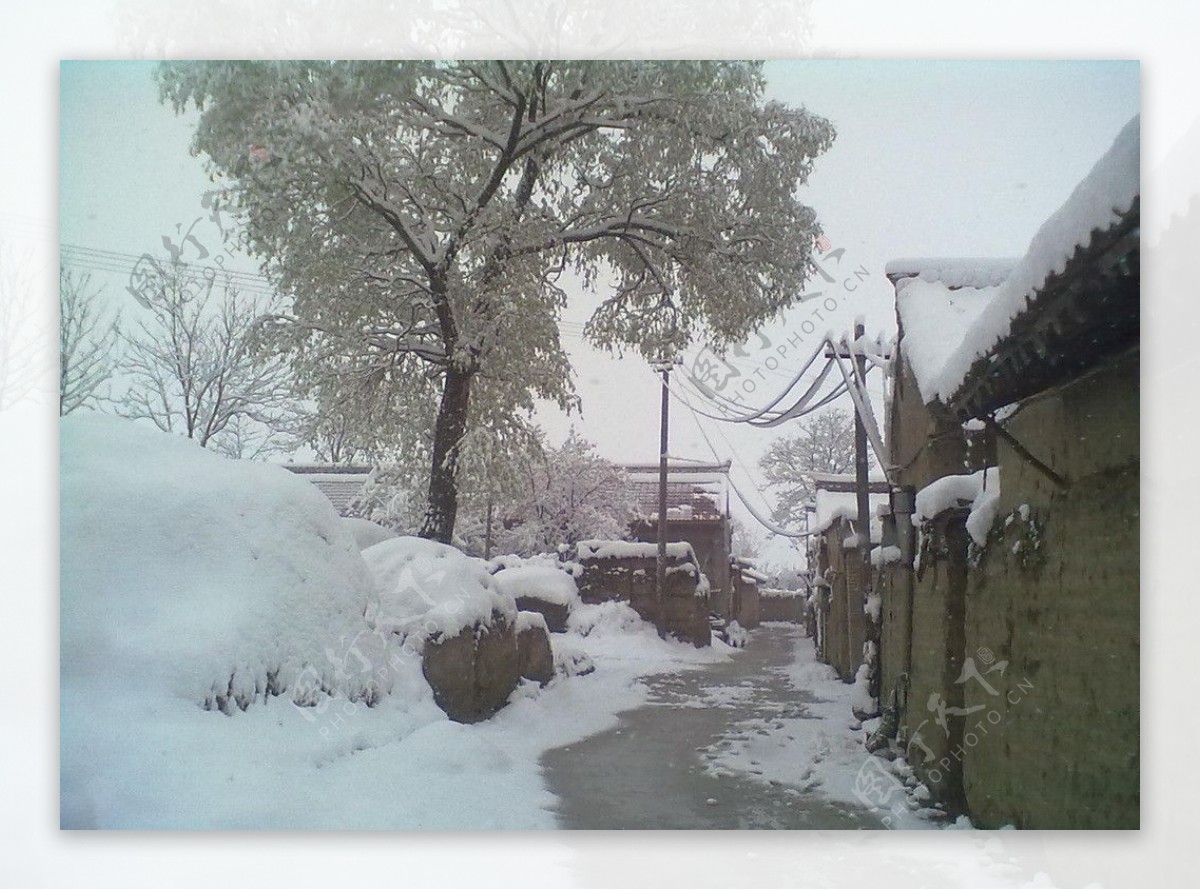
x=188, y=575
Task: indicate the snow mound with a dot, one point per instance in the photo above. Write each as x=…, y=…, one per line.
x=185, y=574
x=545, y=582
x=367, y=533
x=954, y=491
x=428, y=589
x=607, y=619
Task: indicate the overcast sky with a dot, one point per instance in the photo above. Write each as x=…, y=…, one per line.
x=931, y=159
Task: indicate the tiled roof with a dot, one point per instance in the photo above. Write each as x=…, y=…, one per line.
x=694, y=491
x=341, y=484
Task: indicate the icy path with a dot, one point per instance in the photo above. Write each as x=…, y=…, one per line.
x=736, y=744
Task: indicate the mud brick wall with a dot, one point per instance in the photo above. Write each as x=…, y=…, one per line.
x=684, y=613
x=845, y=623
x=781, y=608
x=746, y=601
x=893, y=643
x=930, y=727
x=1063, y=750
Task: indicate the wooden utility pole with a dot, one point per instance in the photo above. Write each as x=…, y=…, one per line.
x=663, y=367
x=660, y=568
x=862, y=490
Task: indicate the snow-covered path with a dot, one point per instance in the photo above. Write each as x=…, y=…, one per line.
x=737, y=744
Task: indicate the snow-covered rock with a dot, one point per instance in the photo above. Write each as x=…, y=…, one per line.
x=546, y=589
x=432, y=590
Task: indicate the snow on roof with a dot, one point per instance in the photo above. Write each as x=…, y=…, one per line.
x=950, y=271
x=933, y=320
x=837, y=505
x=820, y=479
x=1096, y=204
x=341, y=484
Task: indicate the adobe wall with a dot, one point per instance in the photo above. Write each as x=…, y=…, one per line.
x=845, y=623
x=683, y=613
x=930, y=727
x=1056, y=596
x=781, y=608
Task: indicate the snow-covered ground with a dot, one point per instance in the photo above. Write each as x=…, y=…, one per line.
x=219, y=667
x=821, y=751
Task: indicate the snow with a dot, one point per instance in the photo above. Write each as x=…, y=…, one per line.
x=861, y=700
x=594, y=549
x=873, y=607
x=1096, y=204
x=531, y=621
x=983, y=514
x=193, y=576
x=736, y=635
x=367, y=533
x=832, y=506
x=815, y=752
x=428, y=588
x=881, y=556
x=951, y=272
x=548, y=583
x=934, y=318
x=180, y=568
x=954, y=491
x=774, y=593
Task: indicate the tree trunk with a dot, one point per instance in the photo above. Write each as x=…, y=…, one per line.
x=448, y=432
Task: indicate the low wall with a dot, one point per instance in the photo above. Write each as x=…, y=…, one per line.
x=781, y=605
x=631, y=579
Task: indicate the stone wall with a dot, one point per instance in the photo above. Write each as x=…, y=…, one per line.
x=1056, y=596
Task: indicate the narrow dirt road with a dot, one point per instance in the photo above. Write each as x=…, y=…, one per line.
x=650, y=771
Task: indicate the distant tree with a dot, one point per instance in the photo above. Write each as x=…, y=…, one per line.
x=745, y=542
x=21, y=334
x=88, y=340
x=423, y=214
x=562, y=495
x=195, y=367
x=824, y=444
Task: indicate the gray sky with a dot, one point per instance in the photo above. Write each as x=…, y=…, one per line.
x=932, y=159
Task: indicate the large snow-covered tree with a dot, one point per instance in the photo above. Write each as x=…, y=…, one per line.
x=824, y=444
x=194, y=368
x=423, y=215
x=88, y=339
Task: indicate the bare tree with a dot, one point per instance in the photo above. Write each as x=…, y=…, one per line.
x=88, y=339
x=195, y=365
x=825, y=444
x=20, y=341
